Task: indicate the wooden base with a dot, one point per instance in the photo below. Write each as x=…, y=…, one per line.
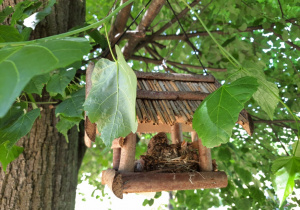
x=157, y=182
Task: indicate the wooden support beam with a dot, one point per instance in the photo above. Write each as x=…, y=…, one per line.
x=157, y=182
x=128, y=154
x=116, y=158
x=150, y=128
x=176, y=133
x=90, y=128
x=205, y=161
x=177, y=77
x=194, y=136
x=171, y=95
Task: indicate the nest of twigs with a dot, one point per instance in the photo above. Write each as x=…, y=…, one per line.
x=172, y=158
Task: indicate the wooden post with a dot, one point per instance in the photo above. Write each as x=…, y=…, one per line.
x=128, y=154
x=205, y=161
x=194, y=136
x=116, y=158
x=176, y=133
x=90, y=128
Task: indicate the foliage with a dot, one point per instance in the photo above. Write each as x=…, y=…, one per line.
x=257, y=39
x=111, y=102
x=217, y=114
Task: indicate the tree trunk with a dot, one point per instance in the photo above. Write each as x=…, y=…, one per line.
x=45, y=174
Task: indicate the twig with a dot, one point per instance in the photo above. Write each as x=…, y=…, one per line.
x=277, y=138
x=282, y=14
x=187, y=38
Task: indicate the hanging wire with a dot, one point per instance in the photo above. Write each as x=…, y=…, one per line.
x=127, y=28
x=187, y=38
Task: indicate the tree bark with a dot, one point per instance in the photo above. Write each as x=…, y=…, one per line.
x=44, y=176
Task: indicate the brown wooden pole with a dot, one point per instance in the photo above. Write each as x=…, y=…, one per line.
x=90, y=128
x=128, y=153
x=194, y=136
x=116, y=158
x=156, y=182
x=171, y=95
x=174, y=76
x=176, y=133
x=205, y=161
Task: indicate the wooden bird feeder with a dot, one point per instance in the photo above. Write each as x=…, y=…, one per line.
x=165, y=104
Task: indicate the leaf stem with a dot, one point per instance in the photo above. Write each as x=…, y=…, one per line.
x=111, y=52
x=34, y=106
x=70, y=33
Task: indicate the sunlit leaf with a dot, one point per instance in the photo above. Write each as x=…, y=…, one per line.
x=111, y=102
x=216, y=116
x=286, y=170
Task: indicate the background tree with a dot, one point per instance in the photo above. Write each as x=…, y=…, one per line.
x=259, y=35
x=45, y=174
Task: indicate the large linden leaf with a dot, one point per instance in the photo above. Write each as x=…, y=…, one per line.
x=286, y=170
x=18, y=65
x=111, y=102
x=216, y=116
x=267, y=93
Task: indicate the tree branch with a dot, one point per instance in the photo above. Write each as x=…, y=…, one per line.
x=274, y=121
x=121, y=20
x=149, y=16
x=160, y=62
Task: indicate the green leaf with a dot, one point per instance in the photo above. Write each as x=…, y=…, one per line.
x=18, y=129
x=99, y=38
x=216, y=116
x=9, y=34
x=37, y=83
x=37, y=17
x=73, y=106
x=4, y=13
x=58, y=82
x=265, y=97
x=65, y=124
x=285, y=35
x=111, y=102
x=18, y=65
x=297, y=153
x=286, y=169
x=243, y=27
x=15, y=111
x=224, y=154
x=267, y=94
x=9, y=155
x=244, y=175
x=19, y=13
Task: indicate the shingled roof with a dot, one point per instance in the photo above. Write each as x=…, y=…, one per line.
x=166, y=99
